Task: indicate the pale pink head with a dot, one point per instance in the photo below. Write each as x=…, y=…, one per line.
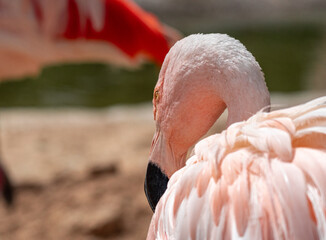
x=201, y=76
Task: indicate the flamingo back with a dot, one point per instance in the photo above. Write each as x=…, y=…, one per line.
x=263, y=178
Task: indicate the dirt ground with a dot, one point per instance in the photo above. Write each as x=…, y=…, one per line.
x=79, y=173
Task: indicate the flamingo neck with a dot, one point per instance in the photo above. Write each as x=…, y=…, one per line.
x=242, y=109
x=246, y=95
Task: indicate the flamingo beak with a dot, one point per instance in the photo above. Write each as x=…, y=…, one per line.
x=155, y=184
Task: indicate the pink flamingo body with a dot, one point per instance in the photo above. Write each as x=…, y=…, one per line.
x=264, y=177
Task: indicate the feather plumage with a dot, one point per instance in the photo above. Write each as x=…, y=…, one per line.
x=258, y=179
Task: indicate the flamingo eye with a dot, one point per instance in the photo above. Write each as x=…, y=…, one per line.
x=156, y=95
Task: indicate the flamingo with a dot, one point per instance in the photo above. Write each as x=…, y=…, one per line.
x=34, y=33
x=264, y=177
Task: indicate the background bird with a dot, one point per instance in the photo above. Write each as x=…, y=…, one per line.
x=262, y=178
x=35, y=33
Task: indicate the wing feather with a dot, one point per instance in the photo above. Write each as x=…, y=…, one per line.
x=260, y=179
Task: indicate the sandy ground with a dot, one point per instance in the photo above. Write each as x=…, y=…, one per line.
x=79, y=173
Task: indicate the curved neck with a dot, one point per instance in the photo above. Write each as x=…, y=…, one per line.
x=200, y=77
x=242, y=108
x=244, y=96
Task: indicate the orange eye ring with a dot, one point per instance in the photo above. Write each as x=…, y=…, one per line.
x=156, y=95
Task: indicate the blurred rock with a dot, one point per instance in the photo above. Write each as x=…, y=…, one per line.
x=104, y=170
x=100, y=222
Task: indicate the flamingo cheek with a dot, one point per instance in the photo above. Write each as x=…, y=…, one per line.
x=155, y=184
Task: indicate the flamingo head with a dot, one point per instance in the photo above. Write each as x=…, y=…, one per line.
x=201, y=76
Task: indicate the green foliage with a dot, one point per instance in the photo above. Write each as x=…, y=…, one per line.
x=285, y=54
x=87, y=85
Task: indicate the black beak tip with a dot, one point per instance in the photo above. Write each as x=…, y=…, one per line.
x=155, y=184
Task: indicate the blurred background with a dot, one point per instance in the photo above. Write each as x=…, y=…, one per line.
x=75, y=137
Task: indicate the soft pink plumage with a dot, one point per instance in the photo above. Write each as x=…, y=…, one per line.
x=262, y=178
